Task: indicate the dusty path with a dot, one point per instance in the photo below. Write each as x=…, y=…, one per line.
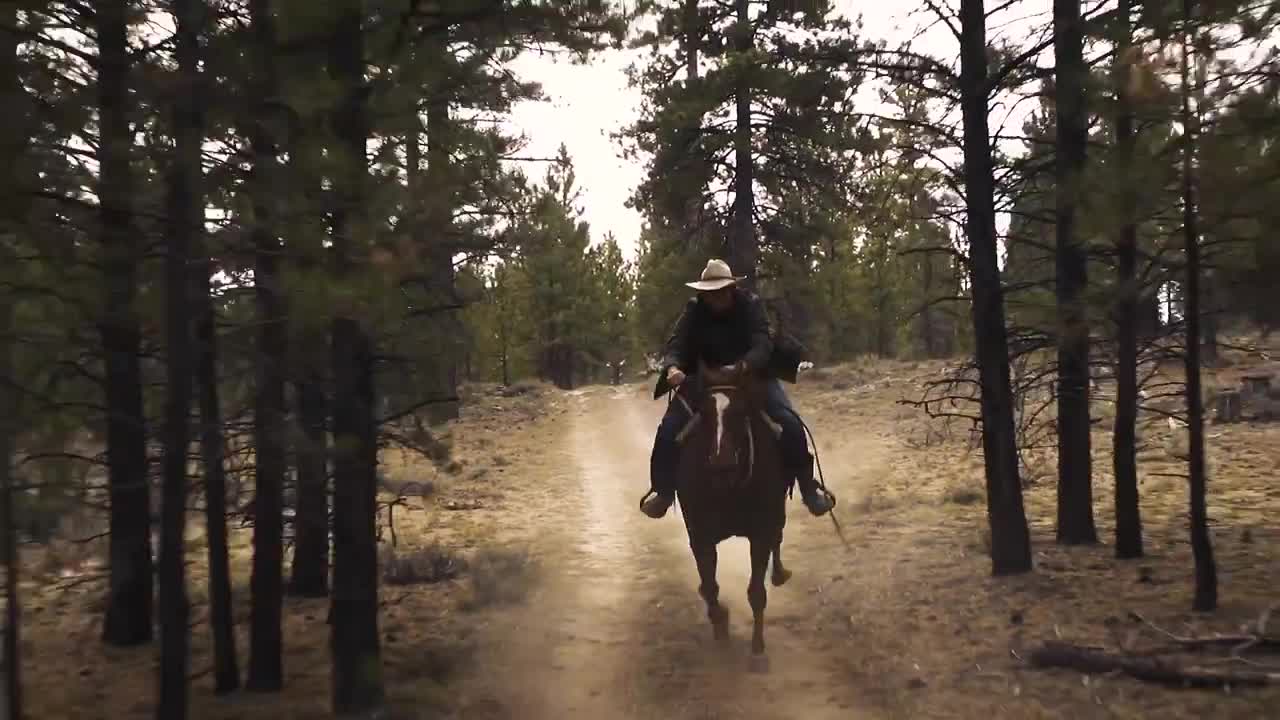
x=617, y=630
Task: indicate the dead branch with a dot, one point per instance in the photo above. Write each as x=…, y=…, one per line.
x=1148, y=669
x=1238, y=642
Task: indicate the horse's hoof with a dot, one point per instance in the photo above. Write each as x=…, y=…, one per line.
x=780, y=577
x=758, y=663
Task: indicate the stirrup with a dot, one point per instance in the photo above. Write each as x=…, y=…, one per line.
x=820, y=494
x=657, y=499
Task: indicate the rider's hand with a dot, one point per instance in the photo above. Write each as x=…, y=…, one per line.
x=675, y=376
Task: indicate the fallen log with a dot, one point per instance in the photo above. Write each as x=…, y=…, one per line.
x=1155, y=670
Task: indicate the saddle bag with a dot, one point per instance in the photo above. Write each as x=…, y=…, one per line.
x=788, y=353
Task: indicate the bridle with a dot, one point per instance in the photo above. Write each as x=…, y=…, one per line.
x=696, y=417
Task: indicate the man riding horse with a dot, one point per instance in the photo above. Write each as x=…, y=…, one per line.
x=726, y=325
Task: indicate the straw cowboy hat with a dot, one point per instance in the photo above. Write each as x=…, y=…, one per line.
x=716, y=275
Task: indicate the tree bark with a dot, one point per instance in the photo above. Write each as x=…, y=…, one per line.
x=310, y=576
x=354, y=642
x=1010, y=538
x=129, y=609
x=8, y=528
x=928, y=323
x=742, y=248
x=439, y=197
x=1211, y=314
x=1149, y=669
x=186, y=221
x=13, y=149
x=1075, y=485
x=226, y=668
x=692, y=39
x=1206, y=574
x=310, y=568
x=1125, y=464
x=266, y=672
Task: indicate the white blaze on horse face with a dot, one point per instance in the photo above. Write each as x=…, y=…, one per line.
x=722, y=403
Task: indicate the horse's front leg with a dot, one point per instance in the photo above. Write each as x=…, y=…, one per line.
x=780, y=574
x=704, y=554
x=758, y=597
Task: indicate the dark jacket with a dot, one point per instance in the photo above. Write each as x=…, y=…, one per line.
x=743, y=333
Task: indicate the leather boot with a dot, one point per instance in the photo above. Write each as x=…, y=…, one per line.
x=819, y=503
x=662, y=472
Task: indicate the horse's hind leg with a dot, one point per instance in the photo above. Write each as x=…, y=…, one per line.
x=780, y=574
x=758, y=597
x=705, y=557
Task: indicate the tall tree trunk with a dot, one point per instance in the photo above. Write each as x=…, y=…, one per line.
x=1075, y=485
x=881, y=295
x=1210, y=300
x=1010, y=539
x=1125, y=463
x=8, y=417
x=129, y=597
x=354, y=642
x=439, y=195
x=742, y=248
x=692, y=39
x=1206, y=588
x=310, y=568
x=186, y=221
x=266, y=672
x=13, y=149
x=8, y=414
x=1211, y=314
x=928, y=313
x=226, y=668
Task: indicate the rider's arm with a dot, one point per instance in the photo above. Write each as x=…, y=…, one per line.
x=678, y=343
x=757, y=358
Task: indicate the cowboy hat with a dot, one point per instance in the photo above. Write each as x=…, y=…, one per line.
x=715, y=275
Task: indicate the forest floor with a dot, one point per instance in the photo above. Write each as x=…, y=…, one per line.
x=567, y=602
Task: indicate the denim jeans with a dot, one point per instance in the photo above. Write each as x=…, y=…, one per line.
x=666, y=451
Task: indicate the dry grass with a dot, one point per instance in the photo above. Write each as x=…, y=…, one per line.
x=937, y=636
x=426, y=641
x=420, y=566
x=910, y=621
x=501, y=577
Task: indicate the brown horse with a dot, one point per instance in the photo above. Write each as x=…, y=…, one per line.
x=731, y=484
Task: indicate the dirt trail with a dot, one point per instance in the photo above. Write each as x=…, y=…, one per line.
x=616, y=628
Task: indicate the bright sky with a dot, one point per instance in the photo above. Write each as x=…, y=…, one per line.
x=589, y=102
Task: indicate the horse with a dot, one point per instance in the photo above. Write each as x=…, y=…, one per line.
x=730, y=483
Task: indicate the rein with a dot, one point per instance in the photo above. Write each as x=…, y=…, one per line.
x=672, y=394
x=822, y=484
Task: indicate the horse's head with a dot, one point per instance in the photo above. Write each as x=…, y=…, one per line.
x=727, y=399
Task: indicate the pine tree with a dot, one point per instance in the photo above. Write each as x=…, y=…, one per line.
x=1075, y=485
x=1010, y=538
